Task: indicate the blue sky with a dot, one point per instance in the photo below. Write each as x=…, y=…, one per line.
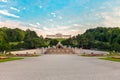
x=59, y=16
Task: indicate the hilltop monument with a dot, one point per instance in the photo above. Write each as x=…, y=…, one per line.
x=59, y=49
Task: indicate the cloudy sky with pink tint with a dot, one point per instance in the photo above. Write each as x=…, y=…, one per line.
x=59, y=16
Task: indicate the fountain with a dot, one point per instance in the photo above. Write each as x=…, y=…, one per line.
x=59, y=49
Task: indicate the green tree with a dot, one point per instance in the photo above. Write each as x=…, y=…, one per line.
x=53, y=42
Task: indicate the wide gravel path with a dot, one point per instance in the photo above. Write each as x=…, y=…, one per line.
x=60, y=67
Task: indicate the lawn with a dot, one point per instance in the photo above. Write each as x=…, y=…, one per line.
x=111, y=59
x=15, y=43
x=60, y=39
x=10, y=59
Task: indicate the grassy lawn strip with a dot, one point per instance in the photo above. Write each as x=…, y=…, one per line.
x=9, y=59
x=60, y=39
x=111, y=59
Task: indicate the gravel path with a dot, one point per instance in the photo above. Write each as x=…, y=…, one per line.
x=60, y=67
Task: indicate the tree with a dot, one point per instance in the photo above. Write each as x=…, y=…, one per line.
x=53, y=42
x=115, y=47
x=97, y=38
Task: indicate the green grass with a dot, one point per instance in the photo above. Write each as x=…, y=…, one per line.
x=15, y=43
x=60, y=39
x=10, y=59
x=111, y=59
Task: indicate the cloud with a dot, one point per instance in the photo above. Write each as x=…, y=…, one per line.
x=50, y=20
x=6, y=13
x=111, y=19
x=11, y=24
x=42, y=29
x=53, y=14
x=13, y=8
x=24, y=8
x=60, y=17
x=70, y=30
x=40, y=7
x=17, y=24
x=107, y=18
x=3, y=0
x=38, y=23
x=70, y=19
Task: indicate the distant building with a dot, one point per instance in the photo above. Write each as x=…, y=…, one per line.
x=58, y=35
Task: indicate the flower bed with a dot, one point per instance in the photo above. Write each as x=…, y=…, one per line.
x=95, y=54
x=3, y=57
x=116, y=57
x=25, y=55
x=92, y=55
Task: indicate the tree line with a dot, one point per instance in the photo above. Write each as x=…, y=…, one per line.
x=97, y=38
x=17, y=39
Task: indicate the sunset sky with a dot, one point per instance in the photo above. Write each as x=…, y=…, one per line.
x=59, y=16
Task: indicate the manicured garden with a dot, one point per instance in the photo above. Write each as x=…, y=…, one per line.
x=9, y=59
x=111, y=59
x=112, y=56
x=5, y=58
x=93, y=55
x=22, y=55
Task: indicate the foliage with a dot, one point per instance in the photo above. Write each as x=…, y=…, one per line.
x=53, y=42
x=17, y=39
x=113, y=53
x=97, y=38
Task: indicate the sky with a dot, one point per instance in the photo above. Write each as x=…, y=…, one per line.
x=59, y=16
